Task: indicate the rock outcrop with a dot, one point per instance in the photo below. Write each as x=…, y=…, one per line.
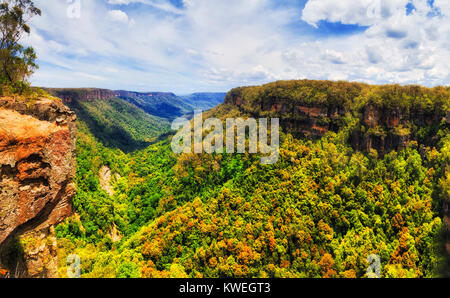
x=37, y=167
x=105, y=180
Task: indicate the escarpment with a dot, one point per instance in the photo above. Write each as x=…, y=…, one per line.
x=70, y=95
x=37, y=167
x=388, y=117
x=123, y=93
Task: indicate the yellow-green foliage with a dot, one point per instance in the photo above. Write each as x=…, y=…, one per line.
x=345, y=95
x=319, y=212
x=24, y=92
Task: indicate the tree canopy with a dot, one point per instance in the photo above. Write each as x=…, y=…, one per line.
x=17, y=62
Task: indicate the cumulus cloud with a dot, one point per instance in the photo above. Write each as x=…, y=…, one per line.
x=334, y=57
x=214, y=45
x=118, y=16
x=406, y=47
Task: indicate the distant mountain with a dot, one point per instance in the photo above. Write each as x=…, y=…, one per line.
x=204, y=101
x=169, y=105
x=165, y=105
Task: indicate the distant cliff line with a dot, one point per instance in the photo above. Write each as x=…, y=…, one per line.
x=69, y=95
x=390, y=116
x=88, y=94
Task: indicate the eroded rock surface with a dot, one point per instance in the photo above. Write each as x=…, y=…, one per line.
x=105, y=180
x=37, y=167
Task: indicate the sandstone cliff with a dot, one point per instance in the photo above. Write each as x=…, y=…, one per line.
x=389, y=116
x=37, y=167
x=70, y=95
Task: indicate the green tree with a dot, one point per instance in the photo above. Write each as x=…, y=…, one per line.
x=17, y=62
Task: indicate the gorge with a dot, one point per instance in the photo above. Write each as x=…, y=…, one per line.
x=363, y=170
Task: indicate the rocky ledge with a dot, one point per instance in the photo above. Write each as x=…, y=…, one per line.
x=37, y=168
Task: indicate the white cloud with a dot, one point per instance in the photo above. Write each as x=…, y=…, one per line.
x=118, y=16
x=443, y=6
x=361, y=12
x=405, y=48
x=334, y=57
x=213, y=45
x=160, y=4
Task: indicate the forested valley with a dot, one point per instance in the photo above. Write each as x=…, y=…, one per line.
x=350, y=182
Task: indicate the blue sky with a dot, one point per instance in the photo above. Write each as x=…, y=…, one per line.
x=188, y=46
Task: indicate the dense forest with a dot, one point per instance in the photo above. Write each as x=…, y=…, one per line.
x=363, y=170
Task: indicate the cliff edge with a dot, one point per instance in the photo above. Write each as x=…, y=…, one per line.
x=72, y=95
x=389, y=116
x=37, y=168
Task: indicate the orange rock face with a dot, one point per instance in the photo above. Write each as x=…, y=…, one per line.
x=37, y=168
x=371, y=117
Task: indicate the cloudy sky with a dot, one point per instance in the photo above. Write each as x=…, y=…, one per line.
x=213, y=45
